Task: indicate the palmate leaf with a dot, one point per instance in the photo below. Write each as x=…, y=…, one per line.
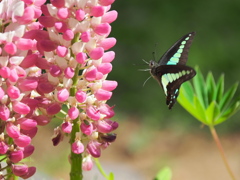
x=199, y=87
x=227, y=97
x=210, y=86
x=206, y=100
x=218, y=93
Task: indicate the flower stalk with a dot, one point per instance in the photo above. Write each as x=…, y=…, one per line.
x=221, y=151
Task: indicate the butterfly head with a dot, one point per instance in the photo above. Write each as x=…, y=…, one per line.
x=153, y=65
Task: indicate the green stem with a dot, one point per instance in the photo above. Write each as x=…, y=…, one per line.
x=100, y=168
x=220, y=148
x=76, y=159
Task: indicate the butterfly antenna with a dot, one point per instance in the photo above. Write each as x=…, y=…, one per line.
x=145, y=61
x=144, y=69
x=154, y=52
x=146, y=80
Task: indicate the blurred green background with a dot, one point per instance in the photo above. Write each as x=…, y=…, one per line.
x=146, y=26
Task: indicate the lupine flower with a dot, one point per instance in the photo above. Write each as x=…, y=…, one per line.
x=50, y=61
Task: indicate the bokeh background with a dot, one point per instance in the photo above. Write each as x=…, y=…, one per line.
x=150, y=136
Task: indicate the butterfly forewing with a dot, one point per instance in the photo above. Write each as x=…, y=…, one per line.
x=178, y=53
x=171, y=70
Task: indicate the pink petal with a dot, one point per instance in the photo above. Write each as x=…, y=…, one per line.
x=22, y=141
x=31, y=172
x=103, y=95
x=97, y=11
x=25, y=44
x=19, y=170
x=69, y=72
x=61, y=51
x=68, y=35
x=21, y=108
x=80, y=15
x=102, y=29
x=77, y=147
x=63, y=95
x=96, y=53
x=108, y=57
x=86, y=128
x=109, y=17
x=109, y=85
x=91, y=74
x=4, y=112
x=93, y=113
x=16, y=156
x=81, y=57
x=53, y=108
x=13, y=92
x=85, y=36
x=10, y=48
x=67, y=127
x=93, y=148
x=105, y=2
x=63, y=13
x=73, y=113
x=3, y=147
x=104, y=68
x=27, y=123
x=108, y=43
x=81, y=96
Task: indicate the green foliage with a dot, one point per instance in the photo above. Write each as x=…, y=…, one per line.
x=164, y=174
x=206, y=100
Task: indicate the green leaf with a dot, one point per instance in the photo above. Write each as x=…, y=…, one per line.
x=210, y=86
x=227, y=97
x=111, y=176
x=187, y=91
x=229, y=112
x=212, y=113
x=200, y=89
x=218, y=93
x=186, y=101
x=199, y=112
x=164, y=174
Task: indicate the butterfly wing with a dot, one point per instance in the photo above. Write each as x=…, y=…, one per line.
x=171, y=78
x=178, y=53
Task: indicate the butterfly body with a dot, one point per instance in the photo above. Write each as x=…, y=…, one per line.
x=171, y=71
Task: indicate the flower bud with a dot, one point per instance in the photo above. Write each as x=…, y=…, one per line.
x=3, y=147
x=73, y=113
x=12, y=130
x=81, y=96
x=93, y=113
x=86, y=127
x=93, y=148
x=67, y=127
x=31, y=171
x=103, y=95
x=77, y=147
x=19, y=170
x=87, y=163
x=16, y=156
x=22, y=141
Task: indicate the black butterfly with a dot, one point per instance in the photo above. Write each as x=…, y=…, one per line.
x=170, y=71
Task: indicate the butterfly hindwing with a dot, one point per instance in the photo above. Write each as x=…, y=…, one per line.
x=171, y=78
x=171, y=71
x=178, y=53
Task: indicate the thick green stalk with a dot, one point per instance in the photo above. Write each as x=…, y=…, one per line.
x=75, y=159
x=220, y=148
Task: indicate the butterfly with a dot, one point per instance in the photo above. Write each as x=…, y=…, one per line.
x=170, y=71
